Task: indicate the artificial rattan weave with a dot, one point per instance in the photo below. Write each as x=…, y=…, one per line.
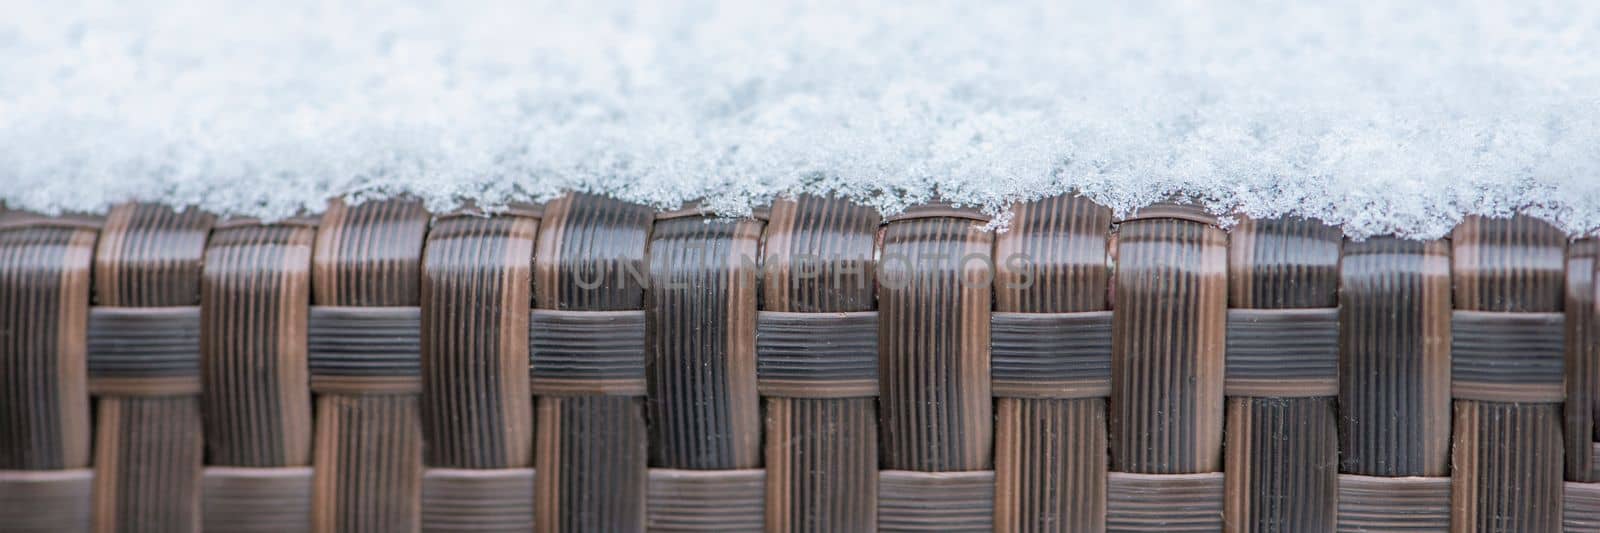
x=591, y=365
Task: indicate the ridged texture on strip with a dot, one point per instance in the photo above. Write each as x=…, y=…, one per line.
x=1283, y=263
x=1581, y=507
x=591, y=464
x=1507, y=467
x=44, y=315
x=369, y=254
x=476, y=281
x=591, y=449
x=1166, y=503
x=1283, y=352
x=1168, y=347
x=1393, y=503
x=1051, y=355
x=369, y=464
x=365, y=350
x=822, y=464
x=145, y=341
x=1582, y=359
x=256, y=500
x=1282, y=465
x=1050, y=457
x=936, y=501
x=147, y=464
x=1394, y=358
x=254, y=294
x=587, y=352
x=933, y=334
x=701, y=326
x=46, y=501
x=1051, y=341
x=1506, y=458
x=477, y=500
x=697, y=500
x=817, y=355
x=1283, y=355
x=818, y=346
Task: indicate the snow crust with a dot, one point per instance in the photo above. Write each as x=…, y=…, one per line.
x=1385, y=119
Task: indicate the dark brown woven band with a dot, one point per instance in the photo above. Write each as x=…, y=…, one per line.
x=1582, y=361
x=1393, y=503
x=706, y=500
x=1168, y=347
x=356, y=350
x=490, y=500
x=1281, y=463
x=1164, y=502
x=46, y=500
x=936, y=501
x=1394, y=358
x=144, y=351
x=590, y=448
x=1051, y=355
x=587, y=352
x=1283, y=352
x=262, y=500
x=1507, y=357
x=817, y=355
x=368, y=463
x=1581, y=507
x=44, y=308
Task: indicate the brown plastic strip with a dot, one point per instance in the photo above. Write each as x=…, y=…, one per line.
x=365, y=350
x=478, y=500
x=588, y=365
x=817, y=355
x=1580, y=507
x=264, y=500
x=701, y=327
x=147, y=459
x=254, y=294
x=44, y=312
x=1582, y=358
x=817, y=358
x=46, y=500
x=938, y=210
x=706, y=500
x=936, y=501
x=144, y=351
x=1283, y=352
x=369, y=463
x=1168, y=347
x=1507, y=357
x=1283, y=263
x=1164, y=502
x=1281, y=465
x=1051, y=355
x=1506, y=461
x=1368, y=503
x=934, y=300
x=1173, y=211
x=477, y=287
x=1051, y=366
x=1394, y=358
x=587, y=352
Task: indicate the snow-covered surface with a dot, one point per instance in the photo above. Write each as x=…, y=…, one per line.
x=1396, y=119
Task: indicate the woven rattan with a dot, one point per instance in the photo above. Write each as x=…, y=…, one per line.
x=592, y=365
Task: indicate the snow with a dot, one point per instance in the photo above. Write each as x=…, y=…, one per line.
x=1396, y=119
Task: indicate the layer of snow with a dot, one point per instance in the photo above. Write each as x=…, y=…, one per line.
x=1396, y=119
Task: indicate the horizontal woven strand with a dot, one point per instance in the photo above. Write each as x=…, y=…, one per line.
x=1283, y=352
x=935, y=501
x=706, y=500
x=1051, y=355
x=1507, y=357
x=817, y=355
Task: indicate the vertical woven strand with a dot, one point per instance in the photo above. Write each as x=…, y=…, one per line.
x=1167, y=355
x=700, y=330
x=1507, y=457
x=1582, y=360
x=149, y=449
x=44, y=291
x=1394, y=358
x=476, y=292
x=933, y=334
x=368, y=446
x=591, y=455
x=1050, y=453
x=1281, y=473
x=822, y=453
x=255, y=292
